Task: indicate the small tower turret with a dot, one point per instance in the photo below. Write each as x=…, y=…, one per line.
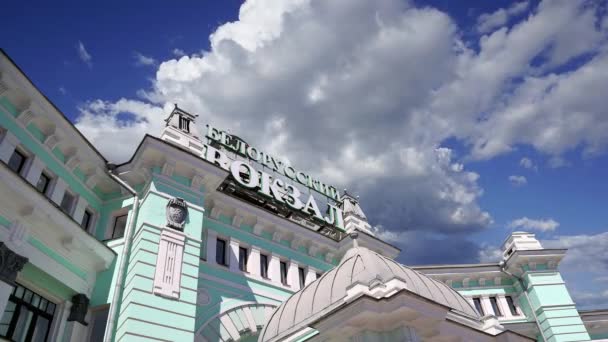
x=354, y=217
x=183, y=121
x=180, y=128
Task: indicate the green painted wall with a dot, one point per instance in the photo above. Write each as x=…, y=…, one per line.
x=141, y=312
x=554, y=307
x=34, y=146
x=41, y=279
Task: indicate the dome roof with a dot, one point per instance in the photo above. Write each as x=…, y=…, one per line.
x=363, y=266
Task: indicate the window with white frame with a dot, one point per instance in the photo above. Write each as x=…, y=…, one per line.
x=243, y=258
x=44, y=182
x=119, y=225
x=220, y=252
x=495, y=307
x=264, y=266
x=284, y=272
x=302, y=276
x=87, y=219
x=478, y=306
x=99, y=320
x=27, y=316
x=67, y=202
x=17, y=161
x=511, y=305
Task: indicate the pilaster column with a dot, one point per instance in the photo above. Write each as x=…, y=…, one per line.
x=168, y=273
x=233, y=255
x=7, y=146
x=555, y=309
x=58, y=190
x=81, y=205
x=11, y=263
x=311, y=275
x=274, y=269
x=293, y=276
x=253, y=263
x=504, y=306
x=35, y=170
x=211, y=241
x=487, y=307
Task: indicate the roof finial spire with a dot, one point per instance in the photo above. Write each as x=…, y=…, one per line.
x=354, y=235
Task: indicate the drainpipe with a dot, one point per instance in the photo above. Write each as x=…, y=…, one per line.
x=124, y=255
x=521, y=282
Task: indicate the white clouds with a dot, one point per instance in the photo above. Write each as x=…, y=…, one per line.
x=99, y=120
x=518, y=180
x=178, y=52
x=141, y=60
x=490, y=254
x=543, y=225
x=585, y=266
x=527, y=163
x=83, y=54
x=366, y=101
x=62, y=90
x=489, y=21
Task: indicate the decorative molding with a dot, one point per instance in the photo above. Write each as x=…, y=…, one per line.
x=258, y=228
x=26, y=116
x=168, y=168
x=18, y=233
x=296, y=243
x=312, y=250
x=79, y=308
x=167, y=277
x=51, y=141
x=197, y=182
x=215, y=212
x=3, y=85
x=276, y=236
x=329, y=257
x=176, y=213
x=202, y=297
x=72, y=162
x=92, y=180
x=237, y=220
x=11, y=263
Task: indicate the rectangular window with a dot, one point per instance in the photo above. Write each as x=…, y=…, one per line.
x=477, y=302
x=264, y=266
x=184, y=124
x=283, y=273
x=220, y=252
x=27, y=316
x=243, y=256
x=100, y=320
x=86, y=219
x=43, y=183
x=512, y=306
x=120, y=223
x=302, y=275
x=67, y=203
x=16, y=161
x=495, y=306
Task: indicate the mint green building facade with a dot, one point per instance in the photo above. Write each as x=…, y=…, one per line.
x=185, y=242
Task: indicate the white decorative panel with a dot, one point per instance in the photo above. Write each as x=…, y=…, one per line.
x=167, y=277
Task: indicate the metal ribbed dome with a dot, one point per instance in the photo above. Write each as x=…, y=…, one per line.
x=363, y=266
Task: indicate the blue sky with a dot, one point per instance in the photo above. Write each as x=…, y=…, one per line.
x=455, y=123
